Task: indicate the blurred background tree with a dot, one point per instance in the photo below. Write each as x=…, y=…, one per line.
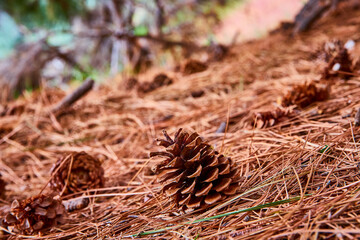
x=64, y=40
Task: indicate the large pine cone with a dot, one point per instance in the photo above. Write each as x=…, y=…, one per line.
x=34, y=214
x=193, y=174
x=85, y=173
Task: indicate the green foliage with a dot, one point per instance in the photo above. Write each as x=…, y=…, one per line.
x=80, y=76
x=325, y=149
x=26, y=21
x=59, y=39
x=140, y=30
x=43, y=13
x=9, y=35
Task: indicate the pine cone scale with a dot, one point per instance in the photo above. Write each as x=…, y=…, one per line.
x=172, y=189
x=231, y=190
x=204, y=190
x=191, y=161
x=211, y=161
x=233, y=174
x=51, y=213
x=40, y=211
x=190, y=188
x=222, y=184
x=173, y=149
x=175, y=163
x=196, y=173
x=39, y=225
x=10, y=219
x=212, y=198
x=191, y=138
x=212, y=175
x=195, y=202
x=224, y=169
x=168, y=174
x=185, y=199
x=26, y=224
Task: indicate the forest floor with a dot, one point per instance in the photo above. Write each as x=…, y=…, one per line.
x=303, y=165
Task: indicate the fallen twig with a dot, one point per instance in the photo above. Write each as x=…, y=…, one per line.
x=303, y=24
x=221, y=128
x=70, y=99
x=357, y=118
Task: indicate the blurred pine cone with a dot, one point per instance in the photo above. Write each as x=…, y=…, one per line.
x=217, y=52
x=194, y=174
x=340, y=65
x=85, y=173
x=34, y=214
x=270, y=118
x=305, y=94
x=131, y=83
x=194, y=66
x=159, y=80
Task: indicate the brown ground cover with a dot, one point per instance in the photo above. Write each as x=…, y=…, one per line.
x=299, y=176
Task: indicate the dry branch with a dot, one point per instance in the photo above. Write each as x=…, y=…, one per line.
x=70, y=99
x=305, y=23
x=357, y=118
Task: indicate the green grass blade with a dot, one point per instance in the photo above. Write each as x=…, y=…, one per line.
x=218, y=216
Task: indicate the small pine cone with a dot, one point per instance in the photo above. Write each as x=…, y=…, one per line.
x=34, y=214
x=330, y=49
x=217, y=52
x=159, y=80
x=85, y=173
x=194, y=66
x=305, y=94
x=339, y=66
x=193, y=174
x=145, y=87
x=131, y=83
x=271, y=118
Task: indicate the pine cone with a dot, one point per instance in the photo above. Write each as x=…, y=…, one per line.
x=159, y=80
x=331, y=49
x=305, y=94
x=86, y=173
x=34, y=214
x=131, y=83
x=193, y=174
x=271, y=118
x=339, y=66
x=194, y=66
x=217, y=52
